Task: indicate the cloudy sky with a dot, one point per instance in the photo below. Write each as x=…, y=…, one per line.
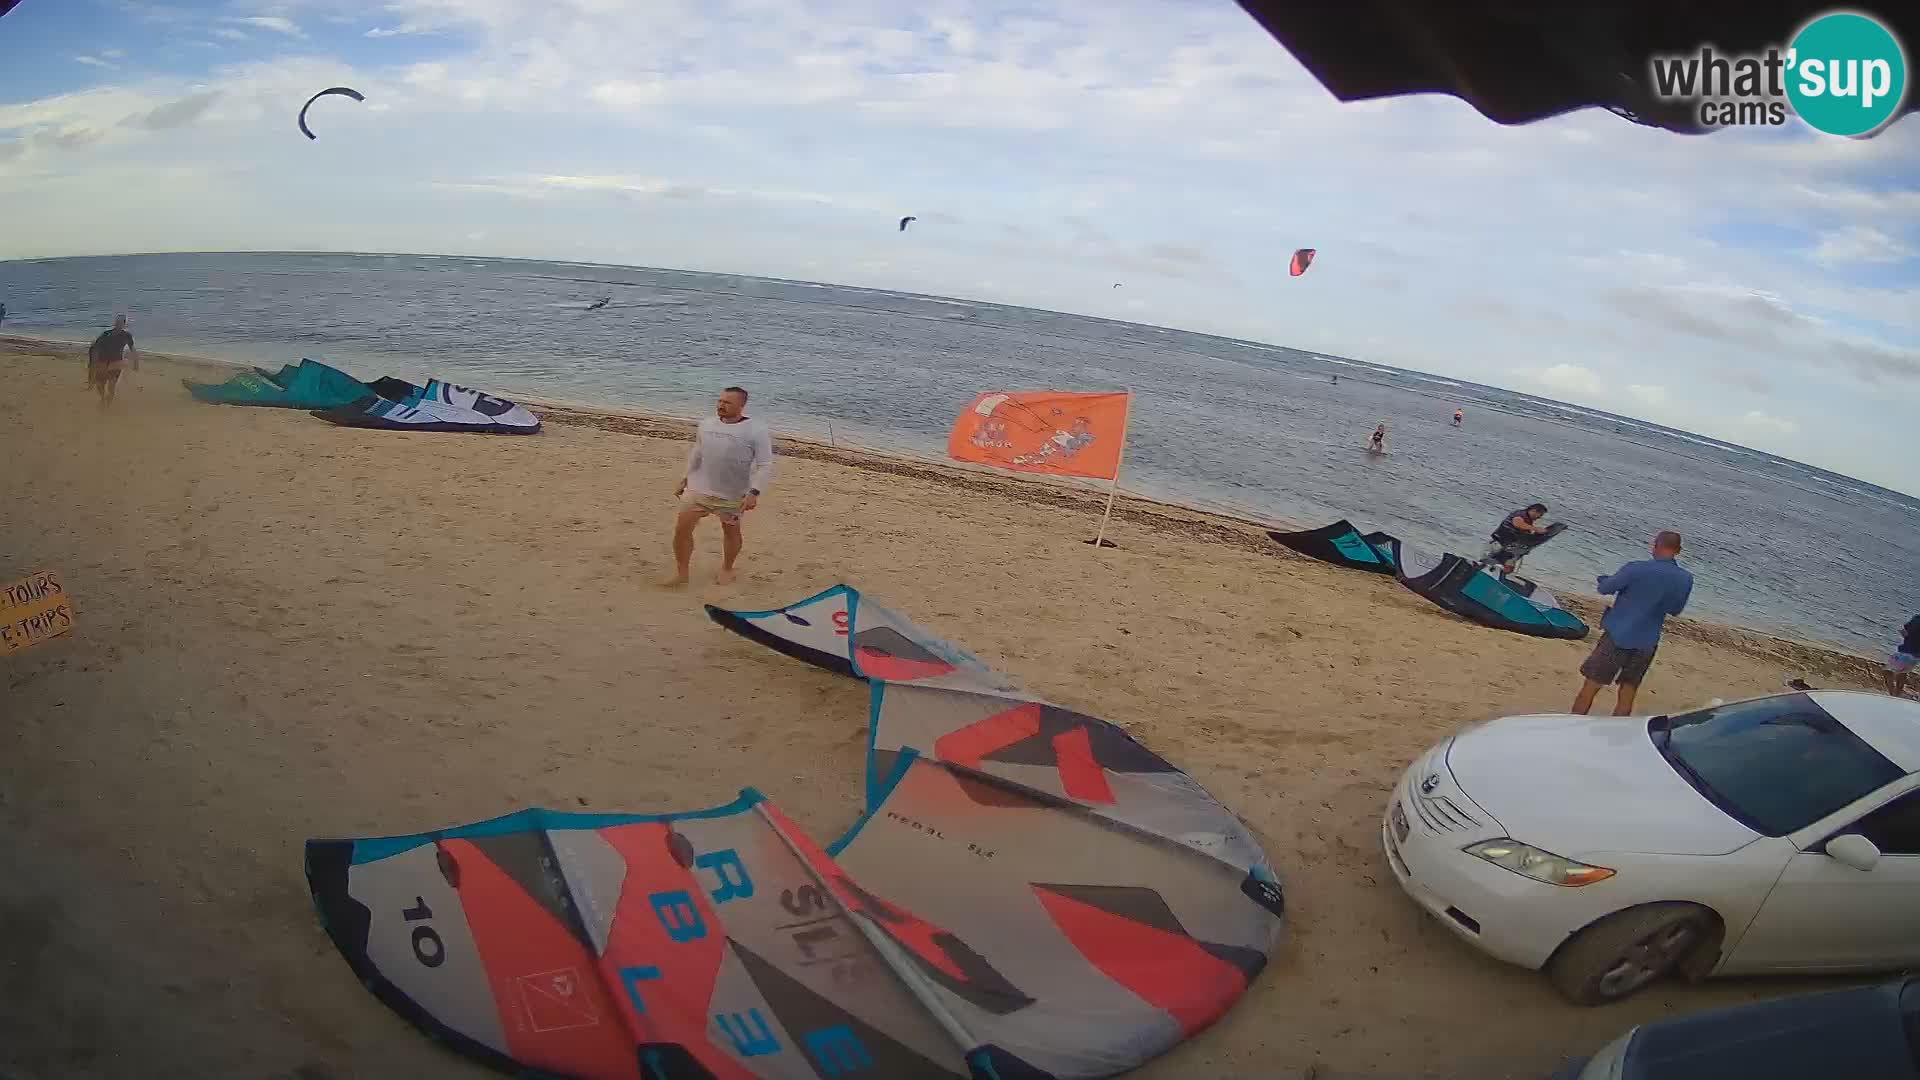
x=1761, y=286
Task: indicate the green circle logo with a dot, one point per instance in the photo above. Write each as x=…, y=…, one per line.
x=1846, y=74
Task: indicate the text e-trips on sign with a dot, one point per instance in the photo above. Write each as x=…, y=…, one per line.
x=32, y=610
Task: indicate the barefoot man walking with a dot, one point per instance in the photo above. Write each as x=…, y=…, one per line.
x=732, y=458
x=107, y=357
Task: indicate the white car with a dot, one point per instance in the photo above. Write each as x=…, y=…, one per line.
x=1775, y=835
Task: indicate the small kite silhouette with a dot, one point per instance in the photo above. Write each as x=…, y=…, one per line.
x=343, y=91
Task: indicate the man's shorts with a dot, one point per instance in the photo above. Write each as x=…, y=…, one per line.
x=1900, y=662
x=727, y=510
x=1610, y=663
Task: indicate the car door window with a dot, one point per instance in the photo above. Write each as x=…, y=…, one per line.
x=1895, y=827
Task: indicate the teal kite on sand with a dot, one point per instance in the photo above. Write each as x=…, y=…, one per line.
x=309, y=385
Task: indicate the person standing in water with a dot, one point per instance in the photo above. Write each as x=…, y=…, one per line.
x=727, y=469
x=107, y=357
x=1458, y=417
x=1379, y=442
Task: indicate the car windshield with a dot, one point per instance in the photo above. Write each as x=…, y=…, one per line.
x=1776, y=765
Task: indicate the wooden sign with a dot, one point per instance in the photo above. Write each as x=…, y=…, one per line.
x=32, y=610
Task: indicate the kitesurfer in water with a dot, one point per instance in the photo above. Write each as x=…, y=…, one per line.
x=1646, y=592
x=107, y=357
x=727, y=469
x=600, y=303
x=1515, y=529
x=1379, y=443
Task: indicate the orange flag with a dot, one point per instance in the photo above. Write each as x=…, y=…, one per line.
x=1043, y=431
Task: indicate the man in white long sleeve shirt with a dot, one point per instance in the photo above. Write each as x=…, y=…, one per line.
x=727, y=469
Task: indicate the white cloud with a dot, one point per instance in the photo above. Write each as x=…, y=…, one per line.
x=94, y=61
x=1651, y=396
x=657, y=187
x=229, y=33
x=1567, y=379
x=1850, y=200
x=275, y=23
x=1860, y=244
x=403, y=30
x=1764, y=424
x=112, y=54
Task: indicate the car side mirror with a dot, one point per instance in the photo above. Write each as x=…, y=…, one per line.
x=1853, y=850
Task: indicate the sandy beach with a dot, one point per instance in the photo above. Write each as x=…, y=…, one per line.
x=286, y=629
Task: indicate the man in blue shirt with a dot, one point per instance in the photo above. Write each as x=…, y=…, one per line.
x=1647, y=592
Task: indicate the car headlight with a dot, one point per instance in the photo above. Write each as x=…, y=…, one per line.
x=1530, y=861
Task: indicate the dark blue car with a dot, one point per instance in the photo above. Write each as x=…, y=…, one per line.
x=1871, y=1033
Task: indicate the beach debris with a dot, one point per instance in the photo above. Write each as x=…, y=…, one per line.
x=1082, y=903
x=1302, y=259
x=341, y=91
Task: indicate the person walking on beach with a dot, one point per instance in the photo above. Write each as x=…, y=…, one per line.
x=727, y=469
x=1900, y=664
x=107, y=357
x=1647, y=592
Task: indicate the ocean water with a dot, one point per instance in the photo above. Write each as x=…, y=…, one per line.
x=1255, y=430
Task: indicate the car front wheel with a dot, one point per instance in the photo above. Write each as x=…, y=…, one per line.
x=1618, y=956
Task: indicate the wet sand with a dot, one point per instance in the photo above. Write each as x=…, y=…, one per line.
x=287, y=629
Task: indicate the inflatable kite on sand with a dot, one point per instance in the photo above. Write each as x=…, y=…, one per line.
x=1343, y=545
x=307, y=385
x=1470, y=591
x=395, y=405
x=1029, y=894
x=1457, y=584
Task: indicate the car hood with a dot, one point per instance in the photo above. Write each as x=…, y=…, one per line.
x=1578, y=784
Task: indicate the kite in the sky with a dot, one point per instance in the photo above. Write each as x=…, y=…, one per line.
x=1301, y=260
x=343, y=91
x=903, y=222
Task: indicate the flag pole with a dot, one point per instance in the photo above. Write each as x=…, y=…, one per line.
x=1100, y=537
